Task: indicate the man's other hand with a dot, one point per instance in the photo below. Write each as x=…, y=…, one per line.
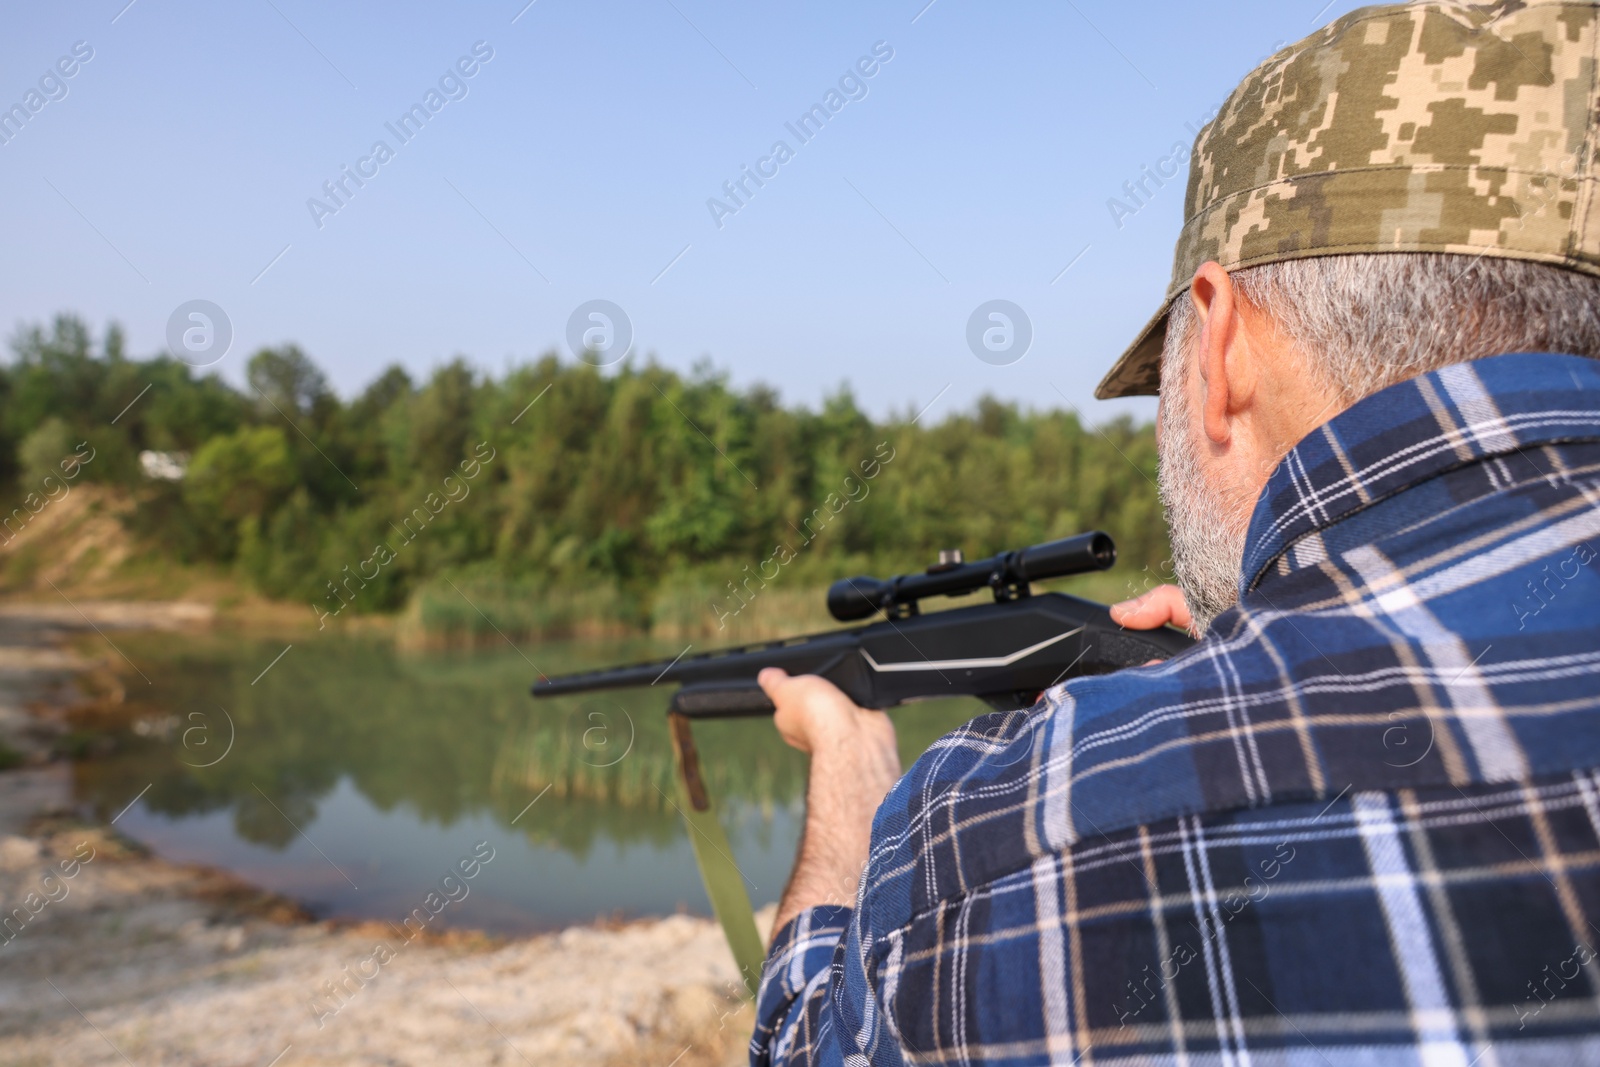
x=854, y=763
x=1162, y=605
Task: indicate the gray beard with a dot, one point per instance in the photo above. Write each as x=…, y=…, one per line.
x=1208, y=533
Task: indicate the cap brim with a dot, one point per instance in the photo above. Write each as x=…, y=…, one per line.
x=1138, y=371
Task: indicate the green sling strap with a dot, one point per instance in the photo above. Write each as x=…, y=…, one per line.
x=723, y=880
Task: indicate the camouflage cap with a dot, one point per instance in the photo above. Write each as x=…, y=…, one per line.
x=1422, y=127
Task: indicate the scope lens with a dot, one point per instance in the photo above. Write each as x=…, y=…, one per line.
x=850, y=599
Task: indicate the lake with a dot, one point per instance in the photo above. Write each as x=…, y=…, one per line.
x=350, y=777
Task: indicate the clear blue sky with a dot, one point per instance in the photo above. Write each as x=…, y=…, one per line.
x=977, y=166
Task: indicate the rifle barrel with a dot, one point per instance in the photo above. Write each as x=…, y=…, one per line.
x=701, y=666
x=638, y=674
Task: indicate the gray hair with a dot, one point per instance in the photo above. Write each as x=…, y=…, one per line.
x=1370, y=320
x=1365, y=321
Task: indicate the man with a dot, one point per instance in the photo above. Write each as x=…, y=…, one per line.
x=1360, y=821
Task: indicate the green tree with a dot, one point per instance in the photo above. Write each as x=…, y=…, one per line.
x=241, y=475
x=566, y=484
x=41, y=452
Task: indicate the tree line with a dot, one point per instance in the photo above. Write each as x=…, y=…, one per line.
x=554, y=479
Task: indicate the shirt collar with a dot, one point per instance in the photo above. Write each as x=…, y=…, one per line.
x=1416, y=430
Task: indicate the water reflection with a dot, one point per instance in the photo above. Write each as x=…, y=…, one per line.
x=356, y=775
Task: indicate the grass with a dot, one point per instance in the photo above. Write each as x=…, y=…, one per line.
x=687, y=606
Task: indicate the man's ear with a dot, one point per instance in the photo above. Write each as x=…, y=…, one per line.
x=1227, y=369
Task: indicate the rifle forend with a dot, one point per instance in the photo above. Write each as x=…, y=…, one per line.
x=1004, y=653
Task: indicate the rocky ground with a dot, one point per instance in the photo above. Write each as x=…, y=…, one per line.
x=113, y=956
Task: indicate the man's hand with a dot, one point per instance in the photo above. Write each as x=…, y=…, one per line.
x=814, y=713
x=854, y=762
x=1161, y=605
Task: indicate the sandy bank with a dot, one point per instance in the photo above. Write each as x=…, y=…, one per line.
x=120, y=956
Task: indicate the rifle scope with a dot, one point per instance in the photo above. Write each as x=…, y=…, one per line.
x=1008, y=574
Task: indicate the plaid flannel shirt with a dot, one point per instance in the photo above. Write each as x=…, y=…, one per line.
x=1358, y=824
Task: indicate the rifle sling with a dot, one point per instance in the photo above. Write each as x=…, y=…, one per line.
x=723, y=880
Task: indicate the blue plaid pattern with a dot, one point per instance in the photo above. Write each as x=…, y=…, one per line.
x=1358, y=824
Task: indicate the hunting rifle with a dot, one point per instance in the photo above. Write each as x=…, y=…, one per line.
x=1005, y=653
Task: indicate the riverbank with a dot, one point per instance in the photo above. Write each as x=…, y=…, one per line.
x=82, y=548
x=119, y=955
